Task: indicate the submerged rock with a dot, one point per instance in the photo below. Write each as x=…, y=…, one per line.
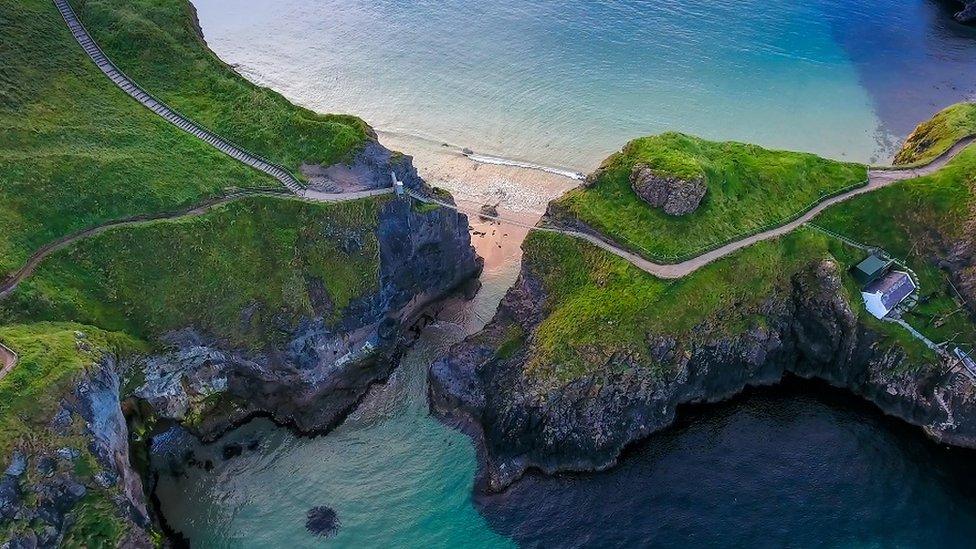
x=230, y=451
x=322, y=521
x=673, y=195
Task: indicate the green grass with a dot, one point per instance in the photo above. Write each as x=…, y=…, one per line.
x=276, y=258
x=156, y=43
x=749, y=188
x=94, y=524
x=52, y=357
x=934, y=137
x=912, y=221
x=601, y=308
x=76, y=151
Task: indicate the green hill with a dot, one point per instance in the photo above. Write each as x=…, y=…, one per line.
x=749, y=188
x=934, y=137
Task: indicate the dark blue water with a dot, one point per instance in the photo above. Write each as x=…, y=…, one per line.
x=563, y=84
x=801, y=465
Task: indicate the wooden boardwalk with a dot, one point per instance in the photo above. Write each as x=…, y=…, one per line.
x=146, y=99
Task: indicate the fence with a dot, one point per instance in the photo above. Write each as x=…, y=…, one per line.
x=153, y=103
x=671, y=259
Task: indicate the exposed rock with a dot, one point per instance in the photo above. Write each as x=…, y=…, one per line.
x=968, y=12
x=46, y=499
x=99, y=405
x=323, y=369
x=230, y=451
x=369, y=169
x=673, y=195
x=488, y=212
x=520, y=421
x=322, y=521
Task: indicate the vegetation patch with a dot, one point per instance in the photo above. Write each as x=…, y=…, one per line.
x=936, y=136
x=77, y=151
x=53, y=356
x=157, y=43
x=94, y=524
x=245, y=271
x=913, y=221
x=749, y=188
x=601, y=308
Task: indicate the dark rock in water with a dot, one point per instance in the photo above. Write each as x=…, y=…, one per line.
x=253, y=445
x=673, y=195
x=322, y=521
x=232, y=451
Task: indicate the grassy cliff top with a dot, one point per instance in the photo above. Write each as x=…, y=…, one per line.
x=243, y=271
x=600, y=307
x=158, y=44
x=53, y=358
x=935, y=136
x=77, y=151
x=749, y=188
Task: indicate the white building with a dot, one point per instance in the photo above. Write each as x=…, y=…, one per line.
x=885, y=293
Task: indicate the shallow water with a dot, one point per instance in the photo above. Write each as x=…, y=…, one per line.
x=566, y=83
x=562, y=84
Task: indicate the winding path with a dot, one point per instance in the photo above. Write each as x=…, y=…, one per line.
x=877, y=178
x=146, y=99
x=9, y=284
x=8, y=358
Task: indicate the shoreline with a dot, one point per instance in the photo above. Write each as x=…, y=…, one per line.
x=509, y=184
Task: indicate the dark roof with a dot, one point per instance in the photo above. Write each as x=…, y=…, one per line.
x=871, y=269
x=893, y=287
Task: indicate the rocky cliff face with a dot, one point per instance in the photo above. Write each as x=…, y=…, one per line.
x=968, y=12
x=321, y=370
x=309, y=381
x=520, y=422
x=43, y=488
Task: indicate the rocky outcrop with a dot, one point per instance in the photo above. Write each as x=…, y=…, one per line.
x=523, y=422
x=968, y=12
x=673, y=195
x=371, y=168
x=322, y=369
x=44, y=487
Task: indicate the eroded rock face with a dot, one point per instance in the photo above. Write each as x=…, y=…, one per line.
x=672, y=195
x=42, y=487
x=521, y=422
x=968, y=13
x=322, y=369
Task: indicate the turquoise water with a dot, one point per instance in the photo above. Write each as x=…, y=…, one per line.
x=394, y=476
x=563, y=84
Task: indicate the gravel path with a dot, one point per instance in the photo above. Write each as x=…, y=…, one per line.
x=8, y=359
x=877, y=178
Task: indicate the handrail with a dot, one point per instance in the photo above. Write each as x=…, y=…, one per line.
x=672, y=259
x=81, y=35
x=4, y=370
